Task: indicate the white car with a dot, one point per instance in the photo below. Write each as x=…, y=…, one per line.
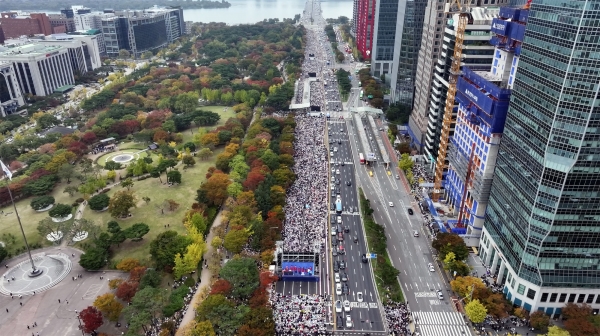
x=346, y=306
x=337, y=172
x=416, y=234
x=338, y=306
x=359, y=296
x=338, y=289
x=431, y=268
x=349, y=323
x=391, y=204
x=440, y=295
x=337, y=277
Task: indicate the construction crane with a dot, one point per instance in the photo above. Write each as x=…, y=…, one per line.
x=460, y=7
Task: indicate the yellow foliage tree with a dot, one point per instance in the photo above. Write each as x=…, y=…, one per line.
x=128, y=264
x=476, y=311
x=109, y=306
x=463, y=285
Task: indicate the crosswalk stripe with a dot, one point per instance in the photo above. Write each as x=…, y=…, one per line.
x=443, y=318
x=439, y=330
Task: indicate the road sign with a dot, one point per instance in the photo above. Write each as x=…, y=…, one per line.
x=372, y=255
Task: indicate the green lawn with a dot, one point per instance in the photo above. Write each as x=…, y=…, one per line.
x=30, y=218
x=151, y=213
x=129, y=149
x=225, y=115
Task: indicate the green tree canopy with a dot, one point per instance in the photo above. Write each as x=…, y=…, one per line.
x=242, y=274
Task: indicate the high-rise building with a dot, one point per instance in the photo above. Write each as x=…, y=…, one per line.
x=354, y=15
x=435, y=19
x=11, y=97
x=74, y=10
x=39, y=69
x=477, y=55
x=140, y=31
x=365, y=27
x=483, y=99
x=14, y=24
x=410, y=43
x=540, y=236
x=386, y=41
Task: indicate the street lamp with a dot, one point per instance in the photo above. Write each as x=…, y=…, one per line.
x=80, y=328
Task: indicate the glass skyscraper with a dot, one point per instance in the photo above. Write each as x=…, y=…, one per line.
x=542, y=227
x=409, y=50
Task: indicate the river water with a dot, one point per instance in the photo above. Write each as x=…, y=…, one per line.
x=251, y=11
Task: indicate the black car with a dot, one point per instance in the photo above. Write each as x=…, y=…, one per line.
x=348, y=183
x=336, y=266
x=410, y=211
x=342, y=163
x=337, y=182
x=355, y=239
x=345, y=289
x=342, y=265
x=346, y=229
x=364, y=258
x=339, y=142
x=340, y=321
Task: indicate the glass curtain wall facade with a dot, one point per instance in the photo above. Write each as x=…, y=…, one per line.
x=385, y=49
x=409, y=51
x=543, y=219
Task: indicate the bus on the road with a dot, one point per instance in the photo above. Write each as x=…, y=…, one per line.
x=362, y=158
x=338, y=206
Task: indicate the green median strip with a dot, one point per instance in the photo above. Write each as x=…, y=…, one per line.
x=386, y=276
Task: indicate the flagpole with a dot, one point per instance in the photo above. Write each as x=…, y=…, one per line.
x=34, y=271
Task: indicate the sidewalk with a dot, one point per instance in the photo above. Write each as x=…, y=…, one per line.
x=205, y=280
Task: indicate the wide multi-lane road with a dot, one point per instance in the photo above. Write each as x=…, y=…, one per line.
x=422, y=285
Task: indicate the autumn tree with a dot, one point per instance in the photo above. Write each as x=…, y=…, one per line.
x=236, y=238
x=127, y=290
x=120, y=203
x=557, y=331
x=450, y=242
x=221, y=286
x=114, y=283
x=476, y=311
x=128, y=264
x=580, y=321
x=109, y=306
x=539, y=320
x=243, y=276
x=91, y=319
x=215, y=188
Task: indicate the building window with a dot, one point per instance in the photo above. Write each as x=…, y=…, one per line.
x=544, y=297
x=581, y=298
x=513, y=283
x=590, y=298
x=553, y=297
x=531, y=294
x=598, y=299
x=563, y=297
x=572, y=297
x=521, y=289
x=509, y=277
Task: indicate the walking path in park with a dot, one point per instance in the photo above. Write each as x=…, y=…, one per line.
x=205, y=278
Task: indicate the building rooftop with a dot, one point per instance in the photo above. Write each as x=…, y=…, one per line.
x=29, y=49
x=490, y=77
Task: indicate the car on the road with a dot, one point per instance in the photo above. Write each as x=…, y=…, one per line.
x=335, y=149
x=349, y=323
x=359, y=296
x=336, y=266
x=346, y=229
x=345, y=277
x=333, y=231
x=337, y=172
x=332, y=170
x=431, y=268
x=346, y=305
x=341, y=250
x=337, y=182
x=440, y=295
x=338, y=306
x=334, y=252
x=363, y=258
x=348, y=183
x=342, y=163
x=345, y=289
x=338, y=289
x=340, y=320
x=336, y=276
x=415, y=233
x=355, y=239
x=410, y=211
x=391, y=204
x=342, y=265
x=339, y=142
x=397, y=177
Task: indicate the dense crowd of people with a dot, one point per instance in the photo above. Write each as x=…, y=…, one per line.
x=299, y=314
x=397, y=317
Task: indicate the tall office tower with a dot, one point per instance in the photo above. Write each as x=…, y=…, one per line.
x=386, y=41
x=477, y=55
x=140, y=31
x=483, y=99
x=365, y=27
x=540, y=235
x=354, y=15
x=11, y=97
x=410, y=43
x=435, y=19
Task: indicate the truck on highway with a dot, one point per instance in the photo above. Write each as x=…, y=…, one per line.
x=338, y=206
